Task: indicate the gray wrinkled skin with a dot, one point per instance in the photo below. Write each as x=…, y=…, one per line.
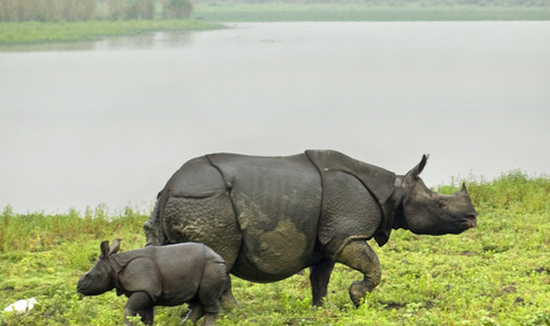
x=160, y=276
x=270, y=217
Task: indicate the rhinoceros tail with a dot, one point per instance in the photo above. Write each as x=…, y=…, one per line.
x=154, y=230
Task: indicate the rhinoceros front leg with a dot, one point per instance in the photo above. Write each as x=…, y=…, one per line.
x=139, y=303
x=319, y=276
x=358, y=255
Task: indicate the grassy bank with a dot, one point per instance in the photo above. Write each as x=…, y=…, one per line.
x=44, y=32
x=285, y=11
x=496, y=274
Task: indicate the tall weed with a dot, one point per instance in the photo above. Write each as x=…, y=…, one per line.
x=35, y=232
x=514, y=190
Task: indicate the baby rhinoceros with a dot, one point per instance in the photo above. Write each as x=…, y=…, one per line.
x=160, y=276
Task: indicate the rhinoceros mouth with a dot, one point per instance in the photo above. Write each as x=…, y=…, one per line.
x=470, y=221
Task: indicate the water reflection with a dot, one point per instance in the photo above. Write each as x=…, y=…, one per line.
x=156, y=40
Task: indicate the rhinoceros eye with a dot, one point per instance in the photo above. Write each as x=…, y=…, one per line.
x=442, y=203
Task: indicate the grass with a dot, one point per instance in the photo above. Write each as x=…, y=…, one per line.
x=496, y=274
x=288, y=11
x=38, y=32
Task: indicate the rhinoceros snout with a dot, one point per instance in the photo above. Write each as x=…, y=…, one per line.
x=471, y=220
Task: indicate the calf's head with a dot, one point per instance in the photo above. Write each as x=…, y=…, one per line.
x=99, y=279
x=426, y=212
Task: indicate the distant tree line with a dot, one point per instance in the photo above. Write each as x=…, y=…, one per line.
x=502, y=3
x=78, y=10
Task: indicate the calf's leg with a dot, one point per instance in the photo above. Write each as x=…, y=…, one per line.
x=195, y=314
x=139, y=303
x=214, y=283
x=228, y=300
x=210, y=319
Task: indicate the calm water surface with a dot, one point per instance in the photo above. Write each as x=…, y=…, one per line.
x=110, y=121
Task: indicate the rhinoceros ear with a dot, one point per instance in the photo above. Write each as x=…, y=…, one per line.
x=115, y=247
x=104, y=247
x=413, y=174
x=464, y=190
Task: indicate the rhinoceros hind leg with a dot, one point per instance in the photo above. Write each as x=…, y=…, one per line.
x=194, y=314
x=210, y=319
x=319, y=276
x=358, y=255
x=197, y=312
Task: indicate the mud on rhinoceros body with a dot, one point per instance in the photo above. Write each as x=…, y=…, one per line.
x=270, y=217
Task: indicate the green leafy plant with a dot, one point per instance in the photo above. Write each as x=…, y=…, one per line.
x=495, y=274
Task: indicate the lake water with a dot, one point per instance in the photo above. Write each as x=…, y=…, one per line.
x=110, y=121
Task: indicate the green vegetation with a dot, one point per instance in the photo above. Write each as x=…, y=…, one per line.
x=81, y=20
x=43, y=21
x=364, y=11
x=496, y=274
x=400, y=3
x=38, y=32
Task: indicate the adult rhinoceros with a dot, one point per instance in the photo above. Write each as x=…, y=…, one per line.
x=270, y=217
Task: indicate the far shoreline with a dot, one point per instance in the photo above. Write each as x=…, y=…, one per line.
x=207, y=17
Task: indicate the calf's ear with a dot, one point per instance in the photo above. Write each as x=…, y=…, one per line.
x=104, y=247
x=413, y=174
x=115, y=246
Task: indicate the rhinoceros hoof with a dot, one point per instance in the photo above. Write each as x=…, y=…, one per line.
x=357, y=292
